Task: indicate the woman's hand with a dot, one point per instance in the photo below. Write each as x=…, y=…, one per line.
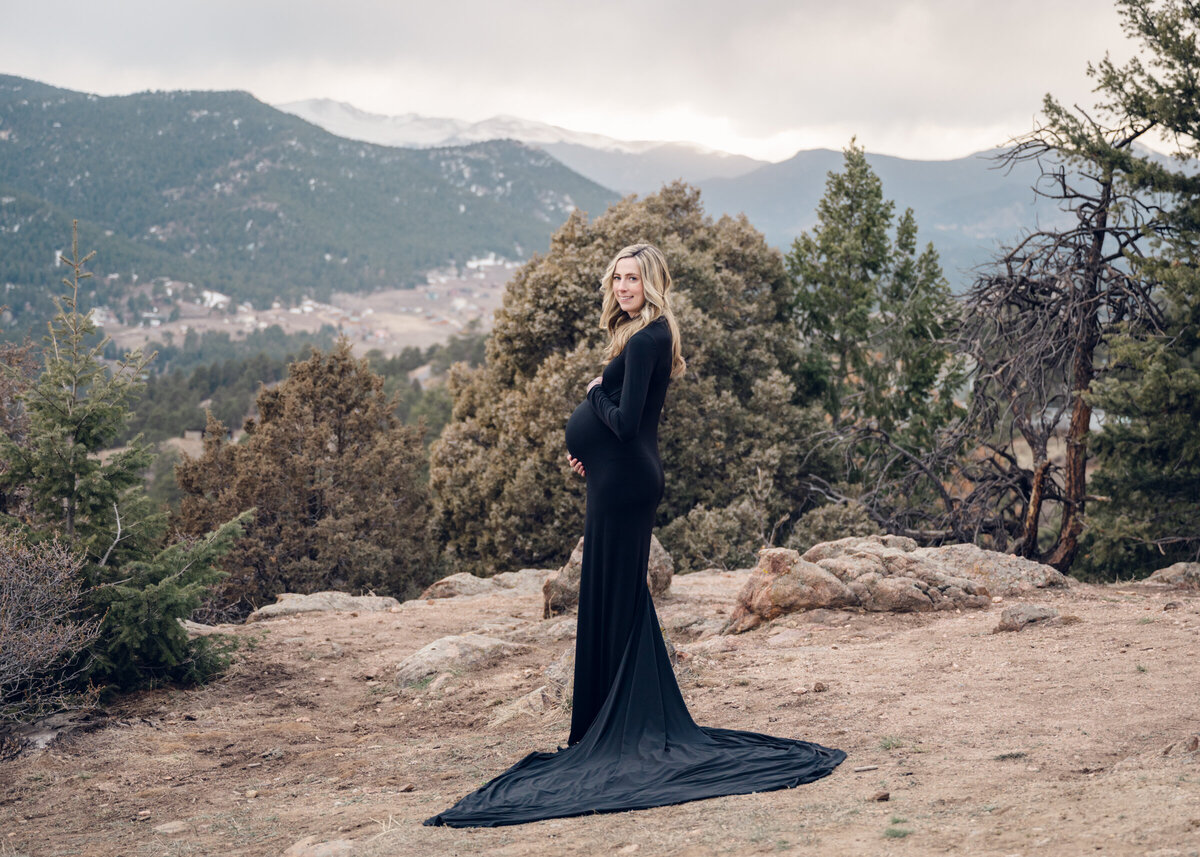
x=576, y=465
x=592, y=383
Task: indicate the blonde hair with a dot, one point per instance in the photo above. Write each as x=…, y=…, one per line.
x=656, y=286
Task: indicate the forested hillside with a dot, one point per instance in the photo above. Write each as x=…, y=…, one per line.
x=222, y=190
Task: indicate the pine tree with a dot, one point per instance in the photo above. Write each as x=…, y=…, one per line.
x=1148, y=480
x=75, y=409
x=334, y=480
x=135, y=589
x=874, y=315
x=734, y=425
x=876, y=322
x=1148, y=449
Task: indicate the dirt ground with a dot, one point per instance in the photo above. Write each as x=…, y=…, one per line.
x=1052, y=741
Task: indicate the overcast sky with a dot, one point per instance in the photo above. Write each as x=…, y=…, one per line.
x=920, y=79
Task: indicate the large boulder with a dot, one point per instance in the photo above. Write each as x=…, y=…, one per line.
x=288, y=603
x=878, y=573
x=560, y=592
x=450, y=654
x=1184, y=575
x=782, y=583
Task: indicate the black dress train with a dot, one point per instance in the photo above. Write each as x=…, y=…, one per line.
x=632, y=744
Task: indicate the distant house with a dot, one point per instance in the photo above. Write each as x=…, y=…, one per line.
x=214, y=300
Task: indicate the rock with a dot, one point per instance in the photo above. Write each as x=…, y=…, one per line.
x=332, y=650
x=288, y=603
x=881, y=796
x=899, y=595
x=535, y=702
x=1000, y=573
x=820, y=687
x=788, y=638
x=464, y=584
x=195, y=629
x=560, y=592
x=170, y=828
x=525, y=580
x=309, y=847
x=1184, y=575
x=878, y=573
x=561, y=673
x=455, y=585
x=1021, y=615
x=784, y=583
x=454, y=653
x=688, y=626
x=826, y=550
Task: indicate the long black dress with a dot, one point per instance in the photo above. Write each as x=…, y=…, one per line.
x=632, y=743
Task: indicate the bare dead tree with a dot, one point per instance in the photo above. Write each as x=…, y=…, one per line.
x=1035, y=324
x=43, y=637
x=1011, y=474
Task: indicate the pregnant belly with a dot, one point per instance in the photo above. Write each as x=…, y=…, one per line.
x=587, y=437
x=620, y=475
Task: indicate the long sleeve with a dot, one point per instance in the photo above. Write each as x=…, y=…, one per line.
x=641, y=356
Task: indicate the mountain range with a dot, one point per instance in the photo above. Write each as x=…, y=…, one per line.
x=626, y=166
x=254, y=201
x=966, y=206
x=220, y=188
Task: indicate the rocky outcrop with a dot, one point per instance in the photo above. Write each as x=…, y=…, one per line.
x=454, y=653
x=877, y=573
x=561, y=589
x=288, y=603
x=1183, y=575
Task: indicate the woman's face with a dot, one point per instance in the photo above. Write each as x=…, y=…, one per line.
x=627, y=286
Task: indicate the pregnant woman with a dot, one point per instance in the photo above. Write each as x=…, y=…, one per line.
x=632, y=743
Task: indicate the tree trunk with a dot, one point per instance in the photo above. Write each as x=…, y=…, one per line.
x=1028, y=546
x=1087, y=336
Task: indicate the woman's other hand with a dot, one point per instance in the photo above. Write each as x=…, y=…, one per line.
x=576, y=465
x=592, y=383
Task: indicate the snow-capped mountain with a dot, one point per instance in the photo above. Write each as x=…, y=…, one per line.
x=627, y=166
x=411, y=130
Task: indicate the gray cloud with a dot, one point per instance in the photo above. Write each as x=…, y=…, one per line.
x=916, y=75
